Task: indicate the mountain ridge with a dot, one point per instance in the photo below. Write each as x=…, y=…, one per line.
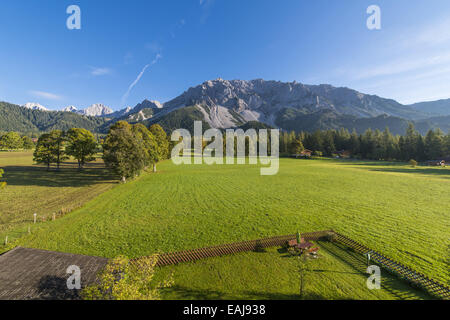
x=295, y=106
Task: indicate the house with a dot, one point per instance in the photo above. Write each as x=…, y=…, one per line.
x=343, y=154
x=304, y=154
x=436, y=163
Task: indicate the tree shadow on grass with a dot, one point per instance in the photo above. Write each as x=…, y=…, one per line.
x=183, y=293
x=442, y=172
x=67, y=176
x=398, y=288
x=396, y=167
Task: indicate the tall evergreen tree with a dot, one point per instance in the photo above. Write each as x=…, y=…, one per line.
x=409, y=148
x=296, y=147
x=434, y=145
x=328, y=143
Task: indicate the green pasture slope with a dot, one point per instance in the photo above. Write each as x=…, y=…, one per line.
x=31, y=189
x=398, y=210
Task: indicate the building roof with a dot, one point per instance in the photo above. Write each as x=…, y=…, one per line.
x=32, y=274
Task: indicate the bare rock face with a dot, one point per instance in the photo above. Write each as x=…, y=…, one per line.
x=146, y=104
x=70, y=109
x=226, y=103
x=97, y=110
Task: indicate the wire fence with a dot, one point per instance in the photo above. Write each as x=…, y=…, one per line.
x=413, y=277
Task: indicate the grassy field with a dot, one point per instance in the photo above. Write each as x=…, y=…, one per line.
x=31, y=189
x=337, y=274
x=404, y=212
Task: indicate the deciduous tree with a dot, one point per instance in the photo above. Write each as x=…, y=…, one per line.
x=28, y=144
x=43, y=153
x=142, y=133
x=81, y=145
x=125, y=280
x=58, y=141
x=123, y=152
x=162, y=144
x=11, y=141
x=2, y=183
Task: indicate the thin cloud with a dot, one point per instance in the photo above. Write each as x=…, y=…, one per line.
x=95, y=71
x=402, y=66
x=135, y=82
x=46, y=95
x=435, y=34
x=206, y=6
x=154, y=47
x=128, y=58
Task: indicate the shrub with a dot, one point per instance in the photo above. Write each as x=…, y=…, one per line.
x=413, y=163
x=125, y=280
x=318, y=153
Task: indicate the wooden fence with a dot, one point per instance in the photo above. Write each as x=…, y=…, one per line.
x=172, y=258
x=413, y=277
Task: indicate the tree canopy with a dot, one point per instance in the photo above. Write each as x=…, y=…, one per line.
x=81, y=145
x=123, y=152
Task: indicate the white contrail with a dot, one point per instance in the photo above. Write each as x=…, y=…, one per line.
x=135, y=82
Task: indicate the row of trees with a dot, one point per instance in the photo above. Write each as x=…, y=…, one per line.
x=372, y=144
x=129, y=149
x=56, y=146
x=15, y=141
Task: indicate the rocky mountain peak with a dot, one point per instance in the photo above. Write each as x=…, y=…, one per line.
x=35, y=106
x=70, y=109
x=97, y=110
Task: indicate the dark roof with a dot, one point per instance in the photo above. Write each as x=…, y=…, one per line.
x=33, y=274
x=304, y=245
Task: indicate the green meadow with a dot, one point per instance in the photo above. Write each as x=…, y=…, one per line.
x=401, y=211
x=32, y=189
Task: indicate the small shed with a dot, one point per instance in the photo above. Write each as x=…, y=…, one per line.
x=304, y=154
x=344, y=154
x=436, y=163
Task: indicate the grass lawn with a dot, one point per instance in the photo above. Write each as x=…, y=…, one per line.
x=338, y=273
x=401, y=211
x=31, y=189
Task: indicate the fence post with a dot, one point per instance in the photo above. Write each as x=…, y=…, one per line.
x=34, y=215
x=54, y=216
x=6, y=240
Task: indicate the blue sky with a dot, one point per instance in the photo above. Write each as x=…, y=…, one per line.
x=164, y=47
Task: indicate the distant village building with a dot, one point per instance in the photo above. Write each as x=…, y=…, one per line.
x=344, y=154
x=304, y=154
x=436, y=163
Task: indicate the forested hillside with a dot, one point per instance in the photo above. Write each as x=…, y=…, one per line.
x=16, y=118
